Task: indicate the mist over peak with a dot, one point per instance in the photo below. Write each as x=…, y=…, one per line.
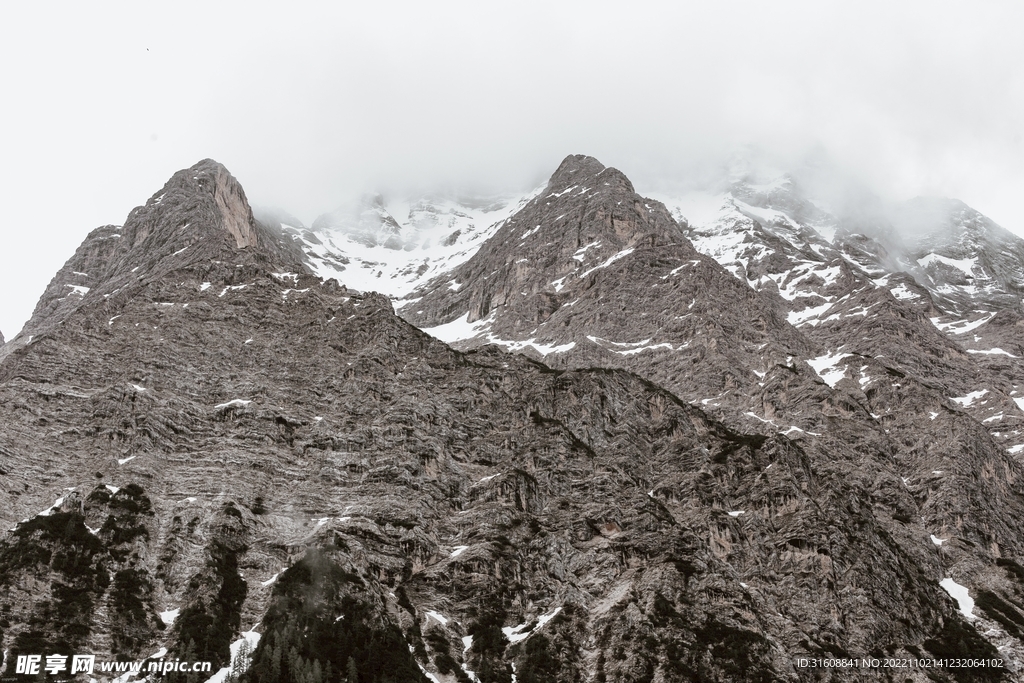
x=327, y=102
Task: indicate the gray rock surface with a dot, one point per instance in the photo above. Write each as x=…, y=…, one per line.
x=882, y=377
x=212, y=429
x=603, y=277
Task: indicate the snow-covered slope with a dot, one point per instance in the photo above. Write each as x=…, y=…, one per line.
x=967, y=261
x=872, y=294
x=774, y=238
x=392, y=247
x=938, y=255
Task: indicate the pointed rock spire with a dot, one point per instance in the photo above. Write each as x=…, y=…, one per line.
x=199, y=223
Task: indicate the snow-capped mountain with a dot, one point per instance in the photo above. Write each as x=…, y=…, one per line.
x=968, y=263
x=940, y=260
x=965, y=262
x=739, y=428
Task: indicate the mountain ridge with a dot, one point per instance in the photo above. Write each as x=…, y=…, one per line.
x=246, y=441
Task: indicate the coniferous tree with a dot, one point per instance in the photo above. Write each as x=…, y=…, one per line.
x=240, y=664
x=275, y=662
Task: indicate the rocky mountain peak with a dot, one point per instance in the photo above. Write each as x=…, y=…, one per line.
x=949, y=225
x=577, y=169
x=964, y=258
x=199, y=227
x=586, y=218
x=590, y=273
x=207, y=198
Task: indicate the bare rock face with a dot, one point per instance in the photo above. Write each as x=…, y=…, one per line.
x=199, y=218
x=865, y=372
x=212, y=440
x=591, y=274
x=236, y=216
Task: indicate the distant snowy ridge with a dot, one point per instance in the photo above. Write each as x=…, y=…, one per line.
x=392, y=247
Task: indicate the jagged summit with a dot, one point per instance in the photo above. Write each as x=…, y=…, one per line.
x=967, y=261
x=395, y=244
x=578, y=168
x=590, y=273
x=207, y=197
x=585, y=219
x=209, y=203
x=199, y=226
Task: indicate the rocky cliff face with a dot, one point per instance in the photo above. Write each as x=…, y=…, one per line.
x=865, y=369
x=591, y=274
x=199, y=220
x=212, y=440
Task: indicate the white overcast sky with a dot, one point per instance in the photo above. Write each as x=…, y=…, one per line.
x=307, y=102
